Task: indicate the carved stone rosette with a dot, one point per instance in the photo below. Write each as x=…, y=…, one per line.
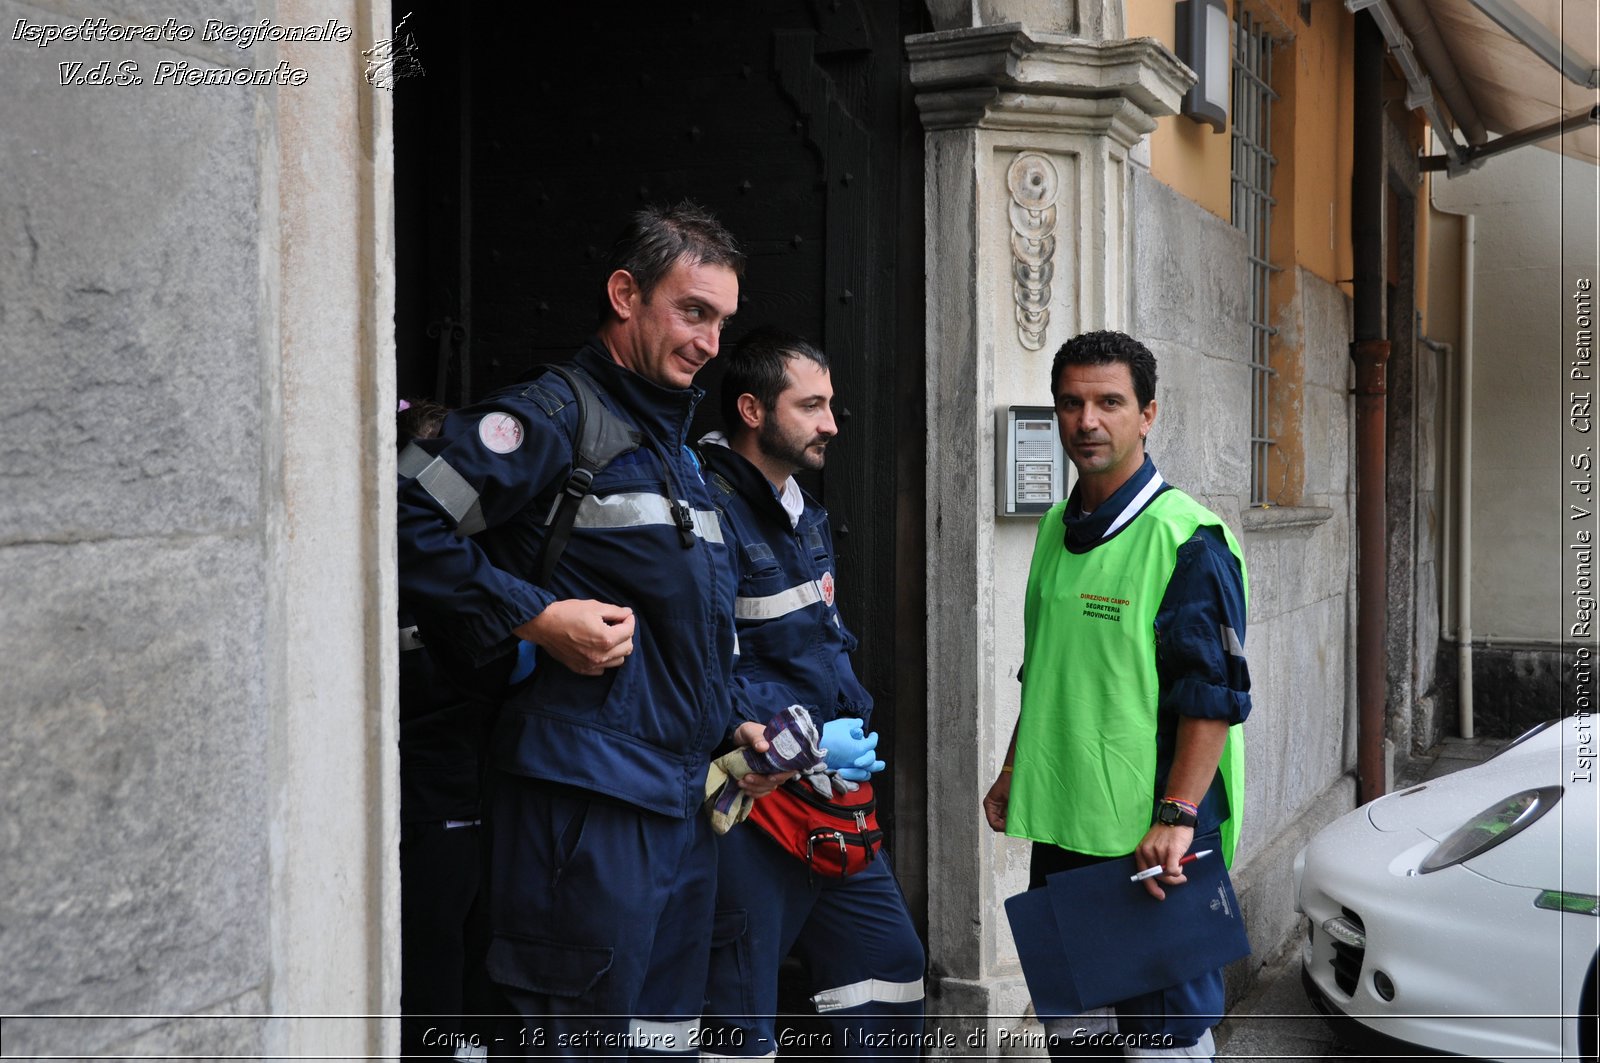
x=1033, y=184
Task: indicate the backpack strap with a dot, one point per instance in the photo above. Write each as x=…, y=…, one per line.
x=602, y=437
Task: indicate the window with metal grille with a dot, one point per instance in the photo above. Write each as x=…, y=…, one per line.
x=1253, y=163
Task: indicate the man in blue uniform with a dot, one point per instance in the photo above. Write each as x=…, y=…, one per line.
x=602, y=870
x=1134, y=677
x=863, y=956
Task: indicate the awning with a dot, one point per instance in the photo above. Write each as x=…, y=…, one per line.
x=1522, y=69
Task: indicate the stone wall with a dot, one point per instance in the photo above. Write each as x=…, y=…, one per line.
x=1429, y=721
x=133, y=748
x=194, y=751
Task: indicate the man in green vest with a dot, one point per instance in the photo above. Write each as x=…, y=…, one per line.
x=1134, y=680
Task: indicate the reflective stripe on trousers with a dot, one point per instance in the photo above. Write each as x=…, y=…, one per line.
x=652, y=1035
x=869, y=991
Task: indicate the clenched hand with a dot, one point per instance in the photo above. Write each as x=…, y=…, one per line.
x=584, y=635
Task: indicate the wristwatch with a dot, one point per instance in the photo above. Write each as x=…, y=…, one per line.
x=1172, y=814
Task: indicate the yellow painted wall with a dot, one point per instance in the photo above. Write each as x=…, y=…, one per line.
x=1184, y=154
x=1311, y=132
x=1322, y=140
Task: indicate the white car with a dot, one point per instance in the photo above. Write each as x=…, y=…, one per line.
x=1461, y=916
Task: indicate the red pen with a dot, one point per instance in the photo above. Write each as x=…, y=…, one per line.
x=1152, y=872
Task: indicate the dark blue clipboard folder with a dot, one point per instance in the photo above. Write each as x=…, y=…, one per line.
x=1090, y=937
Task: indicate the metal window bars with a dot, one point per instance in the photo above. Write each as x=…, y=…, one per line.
x=1253, y=164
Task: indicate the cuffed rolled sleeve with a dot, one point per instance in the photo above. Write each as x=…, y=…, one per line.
x=1200, y=632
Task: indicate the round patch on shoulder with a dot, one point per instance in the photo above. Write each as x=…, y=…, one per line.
x=500, y=432
x=827, y=587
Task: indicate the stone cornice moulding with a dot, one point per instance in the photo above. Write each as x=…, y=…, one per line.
x=1010, y=77
x=992, y=109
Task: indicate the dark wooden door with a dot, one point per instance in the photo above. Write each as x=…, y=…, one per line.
x=535, y=129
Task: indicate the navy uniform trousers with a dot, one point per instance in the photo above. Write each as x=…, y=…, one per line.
x=618, y=966
x=853, y=935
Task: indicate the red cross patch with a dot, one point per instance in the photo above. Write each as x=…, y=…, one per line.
x=500, y=432
x=826, y=584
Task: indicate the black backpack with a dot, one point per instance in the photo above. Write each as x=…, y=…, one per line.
x=602, y=438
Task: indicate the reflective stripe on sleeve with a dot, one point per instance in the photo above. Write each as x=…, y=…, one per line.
x=409, y=639
x=413, y=460
x=870, y=991
x=772, y=606
x=639, y=510
x=453, y=494
x=1231, y=642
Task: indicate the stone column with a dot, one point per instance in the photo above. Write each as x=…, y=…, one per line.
x=328, y=265
x=1028, y=137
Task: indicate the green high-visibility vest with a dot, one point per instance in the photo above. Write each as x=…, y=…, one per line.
x=1085, y=769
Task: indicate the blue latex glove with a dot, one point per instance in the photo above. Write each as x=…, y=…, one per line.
x=851, y=752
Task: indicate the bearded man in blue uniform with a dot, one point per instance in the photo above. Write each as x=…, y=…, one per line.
x=602, y=869
x=1134, y=679
x=853, y=933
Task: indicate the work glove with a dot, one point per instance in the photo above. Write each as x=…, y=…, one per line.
x=792, y=745
x=851, y=752
x=829, y=784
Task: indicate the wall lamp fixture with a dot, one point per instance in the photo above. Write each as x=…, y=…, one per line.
x=1204, y=33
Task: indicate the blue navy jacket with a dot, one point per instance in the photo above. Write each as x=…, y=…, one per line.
x=470, y=529
x=793, y=645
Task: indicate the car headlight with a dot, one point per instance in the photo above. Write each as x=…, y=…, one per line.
x=1495, y=824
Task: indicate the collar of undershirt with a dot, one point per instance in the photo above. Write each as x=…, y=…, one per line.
x=789, y=496
x=1085, y=531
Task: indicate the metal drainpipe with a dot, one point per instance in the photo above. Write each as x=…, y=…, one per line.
x=1455, y=558
x=1370, y=351
x=1372, y=589
x=1458, y=479
x=1469, y=255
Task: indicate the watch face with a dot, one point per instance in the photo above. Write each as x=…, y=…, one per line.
x=1170, y=815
